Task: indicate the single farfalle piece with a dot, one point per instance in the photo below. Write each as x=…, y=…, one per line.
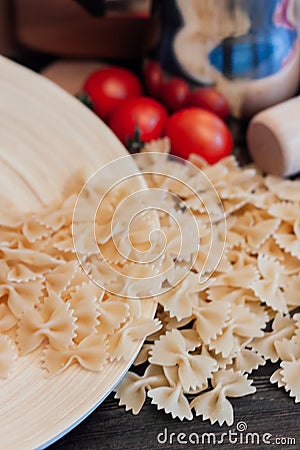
x=210, y=319
x=241, y=326
x=256, y=226
x=233, y=205
x=11, y=237
x=168, y=323
x=162, y=145
x=233, y=237
x=276, y=378
x=53, y=320
x=292, y=290
x=260, y=232
x=240, y=259
x=289, y=353
x=262, y=198
x=288, y=238
x=171, y=397
x=222, y=362
x=132, y=390
x=62, y=241
x=224, y=293
x=21, y=273
x=239, y=186
x=285, y=211
x=98, y=271
x=243, y=181
x=34, y=231
x=214, y=405
x=197, y=161
x=112, y=313
x=283, y=327
x=262, y=313
x=22, y=296
x=243, y=277
x=59, y=279
x=180, y=245
x=268, y=287
x=8, y=355
x=29, y=257
x=247, y=360
x=191, y=338
x=179, y=299
x=216, y=173
x=193, y=369
x=91, y=353
x=84, y=240
x=138, y=280
x=286, y=351
x=124, y=340
x=85, y=310
x=272, y=250
x=86, y=289
x=211, y=255
x=286, y=190
x=290, y=264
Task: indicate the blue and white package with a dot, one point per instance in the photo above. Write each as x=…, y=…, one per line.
x=234, y=44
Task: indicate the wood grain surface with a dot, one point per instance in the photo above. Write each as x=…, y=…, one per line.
x=269, y=410
x=45, y=137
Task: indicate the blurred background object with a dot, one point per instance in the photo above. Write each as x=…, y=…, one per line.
x=248, y=48
x=117, y=8
x=8, y=42
x=66, y=28
x=273, y=139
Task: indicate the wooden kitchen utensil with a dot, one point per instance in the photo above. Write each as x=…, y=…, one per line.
x=273, y=138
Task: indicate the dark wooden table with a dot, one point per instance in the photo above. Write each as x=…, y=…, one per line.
x=270, y=411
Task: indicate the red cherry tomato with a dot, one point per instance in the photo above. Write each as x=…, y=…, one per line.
x=175, y=94
x=210, y=99
x=153, y=78
x=108, y=87
x=195, y=130
x=142, y=113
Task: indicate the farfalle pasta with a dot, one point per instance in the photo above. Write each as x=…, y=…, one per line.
x=49, y=303
x=216, y=289
x=214, y=404
x=256, y=281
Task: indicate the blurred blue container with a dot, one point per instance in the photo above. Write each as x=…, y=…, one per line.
x=248, y=48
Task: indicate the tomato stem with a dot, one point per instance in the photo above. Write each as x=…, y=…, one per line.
x=135, y=144
x=85, y=99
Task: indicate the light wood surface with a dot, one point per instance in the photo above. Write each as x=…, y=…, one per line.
x=45, y=135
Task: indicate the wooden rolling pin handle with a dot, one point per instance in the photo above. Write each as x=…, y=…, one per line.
x=273, y=139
